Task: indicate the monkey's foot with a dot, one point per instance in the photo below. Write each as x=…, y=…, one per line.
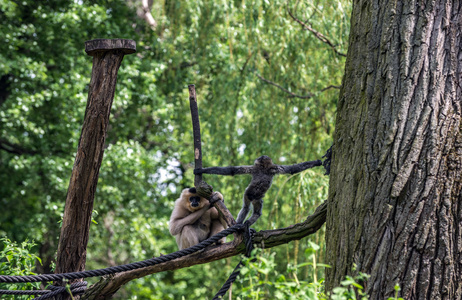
x=221, y=242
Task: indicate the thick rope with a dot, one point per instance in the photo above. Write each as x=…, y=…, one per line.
x=24, y=292
x=127, y=267
x=227, y=284
x=248, y=239
x=76, y=289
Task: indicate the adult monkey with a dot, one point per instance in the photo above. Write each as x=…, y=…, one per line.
x=194, y=220
x=262, y=171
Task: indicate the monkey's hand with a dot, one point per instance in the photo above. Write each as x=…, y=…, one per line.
x=251, y=231
x=216, y=196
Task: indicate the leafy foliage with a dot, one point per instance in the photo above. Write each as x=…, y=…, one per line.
x=17, y=260
x=221, y=47
x=260, y=279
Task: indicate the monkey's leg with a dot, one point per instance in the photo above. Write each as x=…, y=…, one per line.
x=244, y=210
x=216, y=228
x=189, y=237
x=257, y=208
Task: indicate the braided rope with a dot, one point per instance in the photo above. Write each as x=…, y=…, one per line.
x=127, y=267
x=23, y=292
x=248, y=239
x=76, y=288
x=227, y=284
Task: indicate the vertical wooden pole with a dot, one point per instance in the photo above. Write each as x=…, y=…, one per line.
x=107, y=57
x=196, y=133
x=203, y=189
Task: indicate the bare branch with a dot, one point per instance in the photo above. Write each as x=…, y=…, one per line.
x=203, y=189
x=295, y=95
x=147, y=14
x=184, y=65
x=246, y=62
x=108, y=286
x=15, y=149
x=283, y=89
x=317, y=34
x=331, y=87
x=196, y=133
x=108, y=221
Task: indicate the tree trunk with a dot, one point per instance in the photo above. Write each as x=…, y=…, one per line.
x=107, y=57
x=394, y=205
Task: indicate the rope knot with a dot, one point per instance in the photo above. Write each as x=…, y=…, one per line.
x=248, y=238
x=76, y=288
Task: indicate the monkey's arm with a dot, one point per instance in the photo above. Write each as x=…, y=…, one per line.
x=225, y=170
x=215, y=216
x=178, y=221
x=214, y=213
x=297, y=168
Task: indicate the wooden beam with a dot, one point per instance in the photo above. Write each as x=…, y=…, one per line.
x=107, y=57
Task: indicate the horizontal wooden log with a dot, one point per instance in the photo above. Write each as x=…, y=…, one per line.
x=99, y=45
x=109, y=285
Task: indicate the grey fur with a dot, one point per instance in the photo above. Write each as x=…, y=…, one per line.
x=262, y=171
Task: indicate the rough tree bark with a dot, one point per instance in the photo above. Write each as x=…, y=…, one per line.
x=107, y=57
x=394, y=205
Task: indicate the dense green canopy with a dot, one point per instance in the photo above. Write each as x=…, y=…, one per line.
x=265, y=85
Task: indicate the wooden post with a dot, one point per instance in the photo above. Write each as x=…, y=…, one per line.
x=107, y=57
x=196, y=133
x=204, y=189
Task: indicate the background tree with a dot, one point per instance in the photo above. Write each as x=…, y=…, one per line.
x=394, y=205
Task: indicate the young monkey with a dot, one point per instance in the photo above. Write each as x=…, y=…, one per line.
x=193, y=220
x=262, y=171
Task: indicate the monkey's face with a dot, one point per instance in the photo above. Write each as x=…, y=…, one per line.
x=194, y=201
x=191, y=200
x=263, y=161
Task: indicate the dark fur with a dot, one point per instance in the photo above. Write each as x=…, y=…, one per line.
x=262, y=173
x=193, y=220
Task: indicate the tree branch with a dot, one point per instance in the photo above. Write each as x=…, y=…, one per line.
x=147, y=14
x=203, y=189
x=295, y=95
x=15, y=149
x=108, y=285
x=331, y=87
x=196, y=133
x=183, y=65
x=285, y=90
x=317, y=34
